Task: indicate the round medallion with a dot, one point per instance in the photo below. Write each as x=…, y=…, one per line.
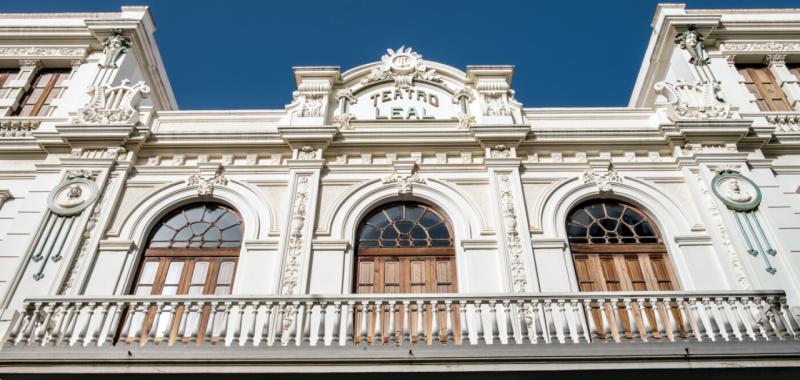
x=738, y=192
x=70, y=197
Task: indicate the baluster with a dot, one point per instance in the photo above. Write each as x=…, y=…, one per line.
x=722, y=319
x=61, y=312
x=376, y=330
x=161, y=326
x=605, y=320
x=241, y=332
x=43, y=337
x=633, y=322
x=85, y=335
x=463, y=326
x=524, y=328
x=747, y=317
x=306, y=332
x=323, y=324
x=98, y=336
x=508, y=324
x=565, y=329
x=212, y=329
x=775, y=319
x=32, y=328
x=420, y=324
x=407, y=322
x=479, y=330
x=430, y=311
x=337, y=322
x=269, y=323
x=593, y=333
x=182, y=333
x=552, y=333
x=343, y=319
x=646, y=329
x=289, y=319
x=734, y=317
x=714, y=330
x=786, y=315
x=494, y=326
x=255, y=309
x=581, y=335
x=127, y=330
x=396, y=323
x=449, y=324
x=690, y=305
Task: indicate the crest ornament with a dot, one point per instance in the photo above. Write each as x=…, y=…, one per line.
x=113, y=104
x=403, y=65
x=113, y=47
x=205, y=186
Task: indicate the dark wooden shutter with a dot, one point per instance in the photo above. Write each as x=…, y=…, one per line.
x=762, y=84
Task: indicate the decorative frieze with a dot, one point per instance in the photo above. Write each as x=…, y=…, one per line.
x=733, y=47
x=786, y=122
x=18, y=127
x=11, y=52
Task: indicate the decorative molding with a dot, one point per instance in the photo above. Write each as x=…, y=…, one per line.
x=308, y=152
x=692, y=148
x=501, y=151
x=694, y=101
x=736, y=191
x=786, y=122
x=774, y=59
x=404, y=66
x=114, y=46
x=735, y=47
x=205, y=185
x=291, y=273
x=519, y=277
x=10, y=52
x=404, y=182
x=113, y=104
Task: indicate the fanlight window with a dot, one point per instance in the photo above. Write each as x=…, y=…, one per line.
x=610, y=222
x=205, y=225
x=404, y=225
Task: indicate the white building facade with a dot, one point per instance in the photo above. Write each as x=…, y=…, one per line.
x=403, y=215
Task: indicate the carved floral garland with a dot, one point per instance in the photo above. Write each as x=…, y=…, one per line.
x=519, y=278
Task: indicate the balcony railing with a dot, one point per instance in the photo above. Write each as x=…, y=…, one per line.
x=407, y=319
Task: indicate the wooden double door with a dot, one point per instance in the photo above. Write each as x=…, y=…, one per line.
x=406, y=274
x=635, y=269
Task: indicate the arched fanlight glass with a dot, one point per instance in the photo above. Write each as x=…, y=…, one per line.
x=404, y=225
x=610, y=222
x=201, y=225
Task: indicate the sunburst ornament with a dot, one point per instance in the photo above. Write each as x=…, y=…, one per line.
x=403, y=65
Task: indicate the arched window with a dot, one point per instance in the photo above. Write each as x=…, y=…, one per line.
x=405, y=247
x=193, y=250
x=617, y=247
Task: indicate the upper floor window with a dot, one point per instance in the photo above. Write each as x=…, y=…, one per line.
x=47, y=86
x=6, y=74
x=617, y=247
x=762, y=84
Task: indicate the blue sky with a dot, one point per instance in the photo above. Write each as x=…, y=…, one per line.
x=566, y=53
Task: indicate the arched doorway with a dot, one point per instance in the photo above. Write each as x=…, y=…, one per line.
x=405, y=247
x=617, y=247
x=193, y=250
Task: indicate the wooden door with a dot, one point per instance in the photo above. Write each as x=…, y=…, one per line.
x=409, y=274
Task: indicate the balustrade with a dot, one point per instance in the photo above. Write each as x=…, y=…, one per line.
x=410, y=319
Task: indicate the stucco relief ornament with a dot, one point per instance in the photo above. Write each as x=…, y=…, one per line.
x=113, y=47
x=77, y=192
x=695, y=101
x=307, y=152
x=205, y=186
x=312, y=106
x=519, y=277
x=693, y=42
x=404, y=182
x=501, y=151
x=403, y=65
x=113, y=104
x=603, y=179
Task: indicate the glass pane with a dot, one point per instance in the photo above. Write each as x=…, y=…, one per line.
x=596, y=210
x=169, y=290
x=608, y=224
x=200, y=228
x=199, y=274
x=148, y=272
x=418, y=233
x=232, y=234
x=614, y=210
x=379, y=220
x=631, y=217
x=575, y=230
x=194, y=214
x=439, y=232
x=225, y=273
x=212, y=234
x=222, y=290
x=143, y=290
x=389, y=233
x=440, y=243
x=176, y=221
x=164, y=233
x=643, y=229
x=404, y=227
x=369, y=233
x=429, y=220
x=395, y=212
x=226, y=221
x=413, y=212
x=174, y=272
x=184, y=234
x=213, y=213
